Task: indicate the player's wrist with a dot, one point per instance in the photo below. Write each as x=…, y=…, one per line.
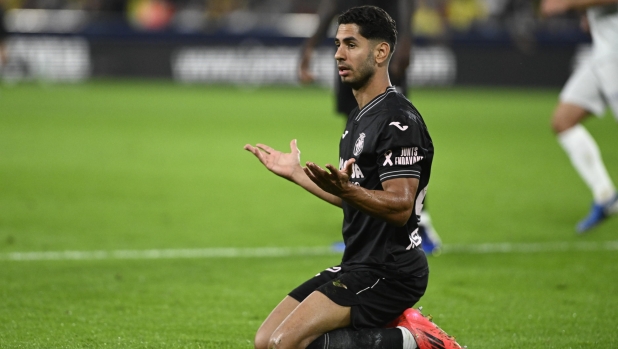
x=348, y=191
x=296, y=174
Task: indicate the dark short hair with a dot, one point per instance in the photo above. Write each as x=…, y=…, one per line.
x=373, y=22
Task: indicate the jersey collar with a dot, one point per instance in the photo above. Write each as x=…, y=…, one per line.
x=379, y=98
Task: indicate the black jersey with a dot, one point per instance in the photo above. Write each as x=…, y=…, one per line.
x=389, y=139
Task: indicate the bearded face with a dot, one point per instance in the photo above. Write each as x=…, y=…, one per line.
x=361, y=74
x=355, y=56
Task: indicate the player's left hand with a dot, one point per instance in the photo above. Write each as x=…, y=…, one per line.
x=554, y=7
x=335, y=182
x=304, y=69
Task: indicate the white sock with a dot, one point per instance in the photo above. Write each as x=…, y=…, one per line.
x=425, y=218
x=586, y=158
x=408, y=338
x=429, y=229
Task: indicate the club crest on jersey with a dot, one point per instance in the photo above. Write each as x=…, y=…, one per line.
x=360, y=143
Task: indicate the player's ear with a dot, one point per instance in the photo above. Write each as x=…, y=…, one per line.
x=382, y=52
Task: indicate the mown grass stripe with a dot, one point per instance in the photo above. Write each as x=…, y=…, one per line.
x=261, y=252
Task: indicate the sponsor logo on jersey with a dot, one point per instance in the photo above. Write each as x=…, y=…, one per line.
x=409, y=156
x=331, y=269
x=344, y=134
x=360, y=143
x=415, y=240
x=398, y=125
x=356, y=171
x=334, y=269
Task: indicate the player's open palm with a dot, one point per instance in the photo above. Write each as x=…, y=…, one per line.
x=281, y=164
x=335, y=181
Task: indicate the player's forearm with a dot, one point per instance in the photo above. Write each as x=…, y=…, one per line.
x=583, y=4
x=301, y=179
x=326, y=11
x=391, y=207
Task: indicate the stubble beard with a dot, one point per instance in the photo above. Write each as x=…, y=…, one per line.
x=365, y=72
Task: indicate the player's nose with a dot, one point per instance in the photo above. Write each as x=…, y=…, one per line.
x=339, y=54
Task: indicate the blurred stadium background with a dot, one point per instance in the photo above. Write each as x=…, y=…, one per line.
x=495, y=42
x=130, y=216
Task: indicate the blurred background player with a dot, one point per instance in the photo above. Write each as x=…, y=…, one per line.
x=401, y=11
x=3, y=39
x=590, y=89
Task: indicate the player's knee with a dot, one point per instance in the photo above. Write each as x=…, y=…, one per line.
x=261, y=340
x=560, y=122
x=557, y=124
x=275, y=342
x=281, y=341
x=566, y=116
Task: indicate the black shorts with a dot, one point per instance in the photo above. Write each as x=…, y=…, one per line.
x=374, y=300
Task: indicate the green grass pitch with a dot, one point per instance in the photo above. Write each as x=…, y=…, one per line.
x=108, y=166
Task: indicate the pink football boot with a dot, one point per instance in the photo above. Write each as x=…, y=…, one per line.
x=427, y=334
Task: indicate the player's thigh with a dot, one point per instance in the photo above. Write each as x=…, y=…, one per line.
x=314, y=316
x=607, y=71
x=289, y=303
x=306, y=288
x=274, y=319
x=580, y=97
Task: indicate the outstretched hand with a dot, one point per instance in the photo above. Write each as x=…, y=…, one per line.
x=304, y=69
x=281, y=164
x=334, y=182
x=553, y=7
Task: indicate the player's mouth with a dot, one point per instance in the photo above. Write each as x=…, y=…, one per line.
x=343, y=70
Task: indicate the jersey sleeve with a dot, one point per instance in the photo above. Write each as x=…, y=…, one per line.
x=401, y=148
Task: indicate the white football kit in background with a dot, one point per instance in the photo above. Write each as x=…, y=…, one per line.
x=594, y=85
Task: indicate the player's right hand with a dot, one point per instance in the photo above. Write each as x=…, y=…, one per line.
x=304, y=69
x=285, y=165
x=305, y=76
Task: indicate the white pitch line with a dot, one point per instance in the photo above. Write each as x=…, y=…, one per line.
x=539, y=247
x=223, y=252
x=262, y=252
